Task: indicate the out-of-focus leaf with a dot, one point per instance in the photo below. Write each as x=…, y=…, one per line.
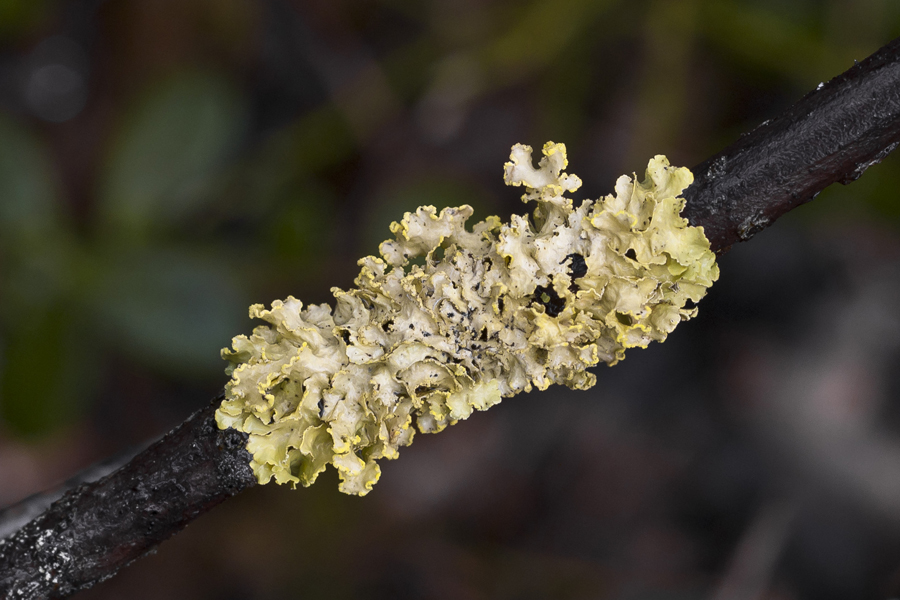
x=164, y=153
x=48, y=369
x=169, y=308
x=28, y=209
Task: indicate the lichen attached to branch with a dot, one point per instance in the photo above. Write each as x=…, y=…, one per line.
x=491, y=312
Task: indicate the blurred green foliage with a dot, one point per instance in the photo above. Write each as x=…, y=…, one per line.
x=131, y=283
x=218, y=169
x=164, y=156
x=41, y=385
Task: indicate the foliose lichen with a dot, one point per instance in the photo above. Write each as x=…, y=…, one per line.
x=494, y=310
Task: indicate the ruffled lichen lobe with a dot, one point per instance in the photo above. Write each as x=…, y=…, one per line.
x=494, y=310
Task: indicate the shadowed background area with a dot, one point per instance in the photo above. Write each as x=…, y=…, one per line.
x=165, y=164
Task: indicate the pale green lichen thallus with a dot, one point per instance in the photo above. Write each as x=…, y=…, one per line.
x=507, y=307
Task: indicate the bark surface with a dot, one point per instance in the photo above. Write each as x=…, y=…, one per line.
x=97, y=528
x=831, y=135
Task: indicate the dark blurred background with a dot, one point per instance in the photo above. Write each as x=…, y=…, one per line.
x=165, y=163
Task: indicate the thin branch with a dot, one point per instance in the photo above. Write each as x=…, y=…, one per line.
x=100, y=527
x=14, y=517
x=833, y=134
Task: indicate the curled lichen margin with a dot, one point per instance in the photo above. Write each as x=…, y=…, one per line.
x=494, y=310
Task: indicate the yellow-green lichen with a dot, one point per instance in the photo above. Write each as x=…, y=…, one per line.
x=506, y=308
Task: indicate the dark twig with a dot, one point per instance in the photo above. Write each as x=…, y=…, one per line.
x=14, y=517
x=100, y=527
x=832, y=134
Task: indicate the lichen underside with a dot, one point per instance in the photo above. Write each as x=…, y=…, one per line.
x=493, y=311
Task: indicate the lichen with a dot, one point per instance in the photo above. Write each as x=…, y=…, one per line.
x=494, y=310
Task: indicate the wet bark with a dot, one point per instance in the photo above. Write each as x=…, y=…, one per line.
x=832, y=135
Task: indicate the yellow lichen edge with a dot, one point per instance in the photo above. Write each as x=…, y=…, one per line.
x=507, y=307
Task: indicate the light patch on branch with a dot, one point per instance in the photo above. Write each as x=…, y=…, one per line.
x=489, y=312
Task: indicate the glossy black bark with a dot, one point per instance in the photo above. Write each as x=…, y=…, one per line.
x=831, y=135
x=97, y=528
